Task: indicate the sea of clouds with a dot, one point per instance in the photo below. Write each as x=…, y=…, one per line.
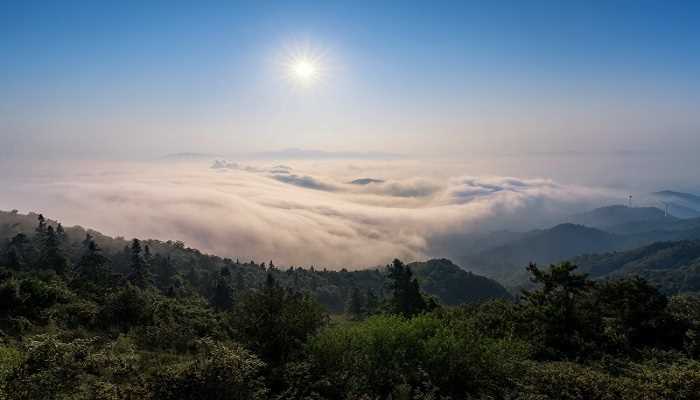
x=329, y=213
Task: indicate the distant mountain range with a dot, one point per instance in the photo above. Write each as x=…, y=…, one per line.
x=616, y=228
x=190, y=156
x=542, y=247
x=293, y=153
x=682, y=205
x=606, y=217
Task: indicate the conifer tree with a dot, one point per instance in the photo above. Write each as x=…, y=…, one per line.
x=61, y=234
x=92, y=266
x=165, y=271
x=51, y=255
x=407, y=298
x=19, y=252
x=140, y=270
x=41, y=227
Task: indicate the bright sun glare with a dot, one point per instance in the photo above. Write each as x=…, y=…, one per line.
x=304, y=70
x=305, y=66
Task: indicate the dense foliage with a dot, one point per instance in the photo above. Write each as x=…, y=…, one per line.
x=78, y=321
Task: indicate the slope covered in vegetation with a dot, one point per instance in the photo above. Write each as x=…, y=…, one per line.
x=174, y=264
x=674, y=267
x=78, y=322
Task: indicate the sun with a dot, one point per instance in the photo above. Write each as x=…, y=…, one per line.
x=304, y=65
x=303, y=70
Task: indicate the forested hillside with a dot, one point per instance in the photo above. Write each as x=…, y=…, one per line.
x=674, y=267
x=147, y=320
x=179, y=267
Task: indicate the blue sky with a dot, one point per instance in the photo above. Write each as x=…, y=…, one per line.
x=130, y=79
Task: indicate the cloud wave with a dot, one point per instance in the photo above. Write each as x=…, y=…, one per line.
x=302, y=214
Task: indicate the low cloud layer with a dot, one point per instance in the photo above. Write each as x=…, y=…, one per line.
x=306, y=213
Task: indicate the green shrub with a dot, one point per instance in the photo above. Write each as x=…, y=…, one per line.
x=220, y=373
x=648, y=381
x=10, y=359
x=79, y=369
x=375, y=357
x=176, y=325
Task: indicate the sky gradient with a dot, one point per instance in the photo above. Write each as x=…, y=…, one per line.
x=467, y=118
x=129, y=80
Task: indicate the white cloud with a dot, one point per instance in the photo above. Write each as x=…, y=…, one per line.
x=302, y=214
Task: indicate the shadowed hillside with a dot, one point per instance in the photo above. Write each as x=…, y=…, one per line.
x=673, y=266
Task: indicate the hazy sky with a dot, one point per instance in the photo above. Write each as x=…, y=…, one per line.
x=505, y=115
x=87, y=79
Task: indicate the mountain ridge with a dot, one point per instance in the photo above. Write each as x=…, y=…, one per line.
x=331, y=288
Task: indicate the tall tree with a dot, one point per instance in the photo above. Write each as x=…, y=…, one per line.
x=41, y=226
x=51, y=255
x=140, y=270
x=20, y=253
x=164, y=270
x=39, y=237
x=407, y=299
x=276, y=322
x=92, y=270
x=61, y=234
x=553, y=305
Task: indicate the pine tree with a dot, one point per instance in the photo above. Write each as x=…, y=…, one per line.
x=61, y=234
x=270, y=282
x=39, y=238
x=165, y=271
x=51, y=255
x=407, y=298
x=140, y=270
x=20, y=253
x=41, y=227
x=92, y=267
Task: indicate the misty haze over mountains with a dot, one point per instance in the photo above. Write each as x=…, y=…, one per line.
x=344, y=212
